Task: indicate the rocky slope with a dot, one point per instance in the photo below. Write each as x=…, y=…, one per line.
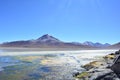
x=117, y=45
x=107, y=68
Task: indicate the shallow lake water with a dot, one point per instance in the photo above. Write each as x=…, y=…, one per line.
x=56, y=65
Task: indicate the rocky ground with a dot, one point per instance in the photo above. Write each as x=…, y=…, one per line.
x=107, y=68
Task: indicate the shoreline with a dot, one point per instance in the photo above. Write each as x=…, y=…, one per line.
x=70, y=61
x=14, y=53
x=106, y=68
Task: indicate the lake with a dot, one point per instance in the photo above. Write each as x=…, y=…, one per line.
x=45, y=65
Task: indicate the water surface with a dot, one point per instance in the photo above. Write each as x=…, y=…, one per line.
x=45, y=65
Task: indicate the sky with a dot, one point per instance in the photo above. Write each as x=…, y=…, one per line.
x=67, y=20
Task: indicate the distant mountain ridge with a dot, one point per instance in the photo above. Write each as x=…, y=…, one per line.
x=117, y=45
x=45, y=41
x=97, y=44
x=48, y=41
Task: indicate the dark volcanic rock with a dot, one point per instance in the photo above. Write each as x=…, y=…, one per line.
x=116, y=63
x=96, y=71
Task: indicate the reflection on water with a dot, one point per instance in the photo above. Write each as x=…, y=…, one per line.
x=7, y=61
x=44, y=67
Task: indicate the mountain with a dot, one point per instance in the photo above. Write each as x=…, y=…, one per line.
x=97, y=44
x=88, y=43
x=48, y=39
x=45, y=41
x=117, y=45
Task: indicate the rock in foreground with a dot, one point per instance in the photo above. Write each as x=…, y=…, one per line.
x=108, y=68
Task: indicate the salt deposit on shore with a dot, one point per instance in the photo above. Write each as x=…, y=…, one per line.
x=83, y=53
x=60, y=62
x=81, y=57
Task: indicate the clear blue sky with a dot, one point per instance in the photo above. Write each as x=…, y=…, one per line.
x=68, y=20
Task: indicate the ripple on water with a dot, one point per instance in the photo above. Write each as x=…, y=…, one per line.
x=45, y=69
x=7, y=61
